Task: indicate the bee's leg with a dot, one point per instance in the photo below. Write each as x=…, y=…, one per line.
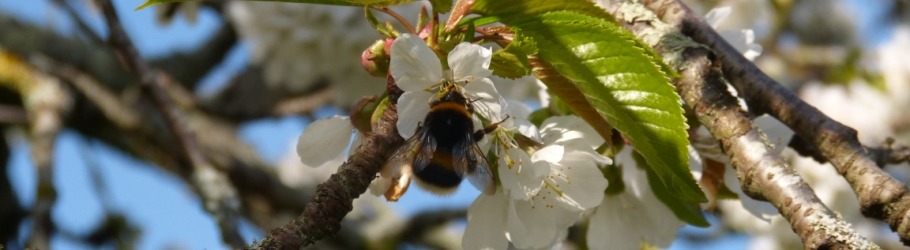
x=478, y=135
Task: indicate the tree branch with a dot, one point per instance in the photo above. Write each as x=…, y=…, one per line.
x=881, y=196
x=764, y=174
x=218, y=194
x=333, y=199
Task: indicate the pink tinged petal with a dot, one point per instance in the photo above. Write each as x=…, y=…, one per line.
x=414, y=66
x=521, y=176
x=412, y=109
x=487, y=101
x=580, y=181
x=470, y=62
x=323, y=142
x=486, y=223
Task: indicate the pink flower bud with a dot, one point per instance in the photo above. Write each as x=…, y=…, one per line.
x=375, y=59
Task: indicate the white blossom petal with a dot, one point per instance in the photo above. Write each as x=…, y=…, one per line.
x=487, y=101
x=380, y=185
x=413, y=65
x=470, y=62
x=717, y=15
x=527, y=129
x=580, y=181
x=534, y=225
x=412, y=109
x=323, y=142
x=551, y=154
x=521, y=176
x=624, y=220
x=486, y=223
x=559, y=129
x=517, y=109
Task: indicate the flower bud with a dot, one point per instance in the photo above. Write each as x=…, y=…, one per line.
x=375, y=59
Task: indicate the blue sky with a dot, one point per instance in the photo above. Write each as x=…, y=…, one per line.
x=158, y=202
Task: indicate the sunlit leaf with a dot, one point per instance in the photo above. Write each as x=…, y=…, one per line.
x=618, y=77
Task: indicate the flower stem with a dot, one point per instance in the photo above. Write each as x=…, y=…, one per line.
x=398, y=17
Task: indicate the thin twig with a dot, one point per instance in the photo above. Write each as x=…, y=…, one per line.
x=219, y=196
x=106, y=100
x=46, y=104
x=80, y=23
x=398, y=17
x=889, y=153
x=881, y=196
x=12, y=115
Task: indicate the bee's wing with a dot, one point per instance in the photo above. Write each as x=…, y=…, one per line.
x=414, y=154
x=470, y=162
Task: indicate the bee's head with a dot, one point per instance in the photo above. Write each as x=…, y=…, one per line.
x=449, y=92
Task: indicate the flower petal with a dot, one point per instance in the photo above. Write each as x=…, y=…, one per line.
x=414, y=66
x=580, y=181
x=486, y=223
x=412, y=109
x=323, y=142
x=534, y=225
x=470, y=62
x=551, y=154
x=521, y=176
x=487, y=101
x=716, y=15
x=558, y=129
x=624, y=220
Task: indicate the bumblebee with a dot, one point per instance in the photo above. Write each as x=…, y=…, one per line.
x=443, y=150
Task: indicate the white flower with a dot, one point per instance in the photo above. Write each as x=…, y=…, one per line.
x=626, y=220
x=522, y=89
x=743, y=39
x=416, y=69
x=542, y=193
x=299, y=45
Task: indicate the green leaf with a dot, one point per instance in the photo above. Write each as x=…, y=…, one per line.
x=685, y=211
x=516, y=9
x=441, y=6
x=510, y=62
x=621, y=79
x=329, y=2
x=385, y=29
x=477, y=21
